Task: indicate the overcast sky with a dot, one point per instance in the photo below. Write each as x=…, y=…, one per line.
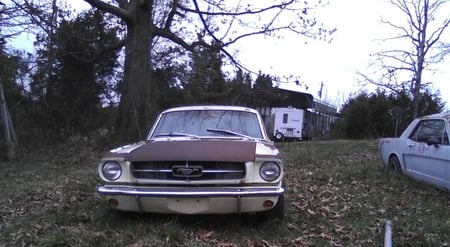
x=335, y=64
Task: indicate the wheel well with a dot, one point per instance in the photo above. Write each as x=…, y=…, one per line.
x=399, y=168
x=392, y=155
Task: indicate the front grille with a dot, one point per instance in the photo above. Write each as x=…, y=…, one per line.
x=188, y=170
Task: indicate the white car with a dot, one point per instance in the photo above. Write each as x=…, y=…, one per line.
x=422, y=151
x=197, y=160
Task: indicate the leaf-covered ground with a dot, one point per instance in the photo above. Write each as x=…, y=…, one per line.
x=337, y=195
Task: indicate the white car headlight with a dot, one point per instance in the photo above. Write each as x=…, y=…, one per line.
x=269, y=171
x=111, y=170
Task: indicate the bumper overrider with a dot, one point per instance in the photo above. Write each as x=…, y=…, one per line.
x=191, y=200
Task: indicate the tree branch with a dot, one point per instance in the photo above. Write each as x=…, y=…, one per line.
x=120, y=12
x=247, y=12
x=172, y=14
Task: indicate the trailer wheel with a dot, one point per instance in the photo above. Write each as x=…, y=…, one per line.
x=279, y=136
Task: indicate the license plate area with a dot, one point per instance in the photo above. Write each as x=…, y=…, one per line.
x=188, y=205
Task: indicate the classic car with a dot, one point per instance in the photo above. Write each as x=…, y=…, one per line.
x=197, y=160
x=422, y=151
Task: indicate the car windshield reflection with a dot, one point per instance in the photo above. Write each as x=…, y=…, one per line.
x=205, y=123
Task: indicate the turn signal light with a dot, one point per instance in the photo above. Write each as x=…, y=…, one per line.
x=113, y=202
x=268, y=204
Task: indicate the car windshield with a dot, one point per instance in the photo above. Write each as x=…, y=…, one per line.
x=208, y=123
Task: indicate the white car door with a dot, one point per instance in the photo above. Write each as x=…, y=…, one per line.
x=430, y=163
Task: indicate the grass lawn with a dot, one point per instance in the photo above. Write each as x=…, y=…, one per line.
x=338, y=194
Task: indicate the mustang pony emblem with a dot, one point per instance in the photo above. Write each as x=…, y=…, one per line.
x=187, y=171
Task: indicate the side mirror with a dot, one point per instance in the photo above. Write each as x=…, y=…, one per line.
x=433, y=141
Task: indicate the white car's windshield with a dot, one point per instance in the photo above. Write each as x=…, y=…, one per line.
x=197, y=123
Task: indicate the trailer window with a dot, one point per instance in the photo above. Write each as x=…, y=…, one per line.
x=285, y=118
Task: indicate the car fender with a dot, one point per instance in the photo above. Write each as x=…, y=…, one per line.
x=389, y=147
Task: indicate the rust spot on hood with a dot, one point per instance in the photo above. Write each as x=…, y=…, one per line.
x=195, y=150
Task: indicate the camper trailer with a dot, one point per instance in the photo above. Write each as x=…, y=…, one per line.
x=286, y=123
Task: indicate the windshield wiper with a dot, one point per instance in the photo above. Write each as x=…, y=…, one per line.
x=229, y=132
x=173, y=133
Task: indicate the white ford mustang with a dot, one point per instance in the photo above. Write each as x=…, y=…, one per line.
x=197, y=160
x=422, y=151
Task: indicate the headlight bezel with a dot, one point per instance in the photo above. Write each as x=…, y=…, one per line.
x=111, y=170
x=270, y=171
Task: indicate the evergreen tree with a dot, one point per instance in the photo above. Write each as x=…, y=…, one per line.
x=206, y=82
x=171, y=93
x=240, y=87
x=69, y=92
x=263, y=82
x=378, y=114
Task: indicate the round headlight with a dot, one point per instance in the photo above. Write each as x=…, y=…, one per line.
x=269, y=171
x=111, y=170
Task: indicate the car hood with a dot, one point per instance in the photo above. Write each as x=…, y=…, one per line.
x=195, y=150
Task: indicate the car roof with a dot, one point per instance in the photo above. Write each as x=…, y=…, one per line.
x=444, y=115
x=210, y=107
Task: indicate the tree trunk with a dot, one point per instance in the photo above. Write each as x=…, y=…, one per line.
x=137, y=104
x=421, y=51
x=416, y=98
x=8, y=129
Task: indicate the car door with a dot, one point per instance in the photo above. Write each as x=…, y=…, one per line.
x=429, y=163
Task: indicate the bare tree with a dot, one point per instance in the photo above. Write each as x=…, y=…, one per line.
x=184, y=25
x=11, y=24
x=13, y=20
x=418, y=33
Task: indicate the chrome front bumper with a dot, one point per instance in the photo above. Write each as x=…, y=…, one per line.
x=191, y=200
x=189, y=192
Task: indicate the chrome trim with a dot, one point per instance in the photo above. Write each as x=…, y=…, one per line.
x=189, y=192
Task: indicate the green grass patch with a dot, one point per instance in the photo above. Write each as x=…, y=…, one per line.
x=338, y=194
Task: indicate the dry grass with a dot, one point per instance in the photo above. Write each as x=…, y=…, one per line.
x=337, y=195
